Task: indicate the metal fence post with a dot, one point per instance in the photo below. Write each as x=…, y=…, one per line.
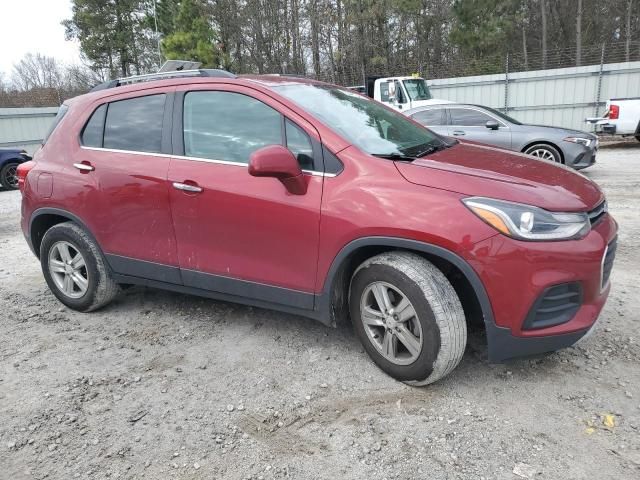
x=506, y=85
x=599, y=90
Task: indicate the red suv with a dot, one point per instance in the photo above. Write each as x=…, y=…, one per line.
x=308, y=198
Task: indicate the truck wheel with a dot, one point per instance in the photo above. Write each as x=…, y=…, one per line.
x=545, y=152
x=9, y=176
x=408, y=317
x=75, y=269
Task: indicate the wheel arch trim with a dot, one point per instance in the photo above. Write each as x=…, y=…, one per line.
x=408, y=244
x=60, y=213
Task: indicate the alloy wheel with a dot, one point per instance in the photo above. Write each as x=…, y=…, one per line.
x=10, y=179
x=543, y=154
x=391, y=323
x=68, y=269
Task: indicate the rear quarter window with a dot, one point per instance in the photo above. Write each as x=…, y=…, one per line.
x=62, y=111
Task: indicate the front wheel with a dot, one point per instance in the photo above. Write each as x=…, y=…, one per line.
x=545, y=152
x=408, y=317
x=75, y=269
x=9, y=176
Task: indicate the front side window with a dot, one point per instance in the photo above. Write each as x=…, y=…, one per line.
x=135, y=124
x=228, y=126
x=300, y=145
x=365, y=123
x=467, y=117
x=431, y=117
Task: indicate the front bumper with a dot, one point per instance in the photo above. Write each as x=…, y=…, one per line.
x=515, y=274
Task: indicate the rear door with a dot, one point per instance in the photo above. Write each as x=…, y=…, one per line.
x=471, y=124
x=119, y=178
x=433, y=118
x=238, y=234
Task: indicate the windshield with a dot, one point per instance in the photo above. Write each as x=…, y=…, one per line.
x=365, y=123
x=498, y=113
x=417, y=89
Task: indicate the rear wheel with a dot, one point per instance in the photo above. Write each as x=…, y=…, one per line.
x=408, y=317
x=9, y=176
x=75, y=269
x=545, y=152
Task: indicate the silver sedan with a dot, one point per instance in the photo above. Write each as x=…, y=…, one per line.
x=573, y=148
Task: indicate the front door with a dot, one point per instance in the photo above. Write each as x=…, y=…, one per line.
x=238, y=234
x=468, y=123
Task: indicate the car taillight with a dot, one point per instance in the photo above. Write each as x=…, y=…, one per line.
x=614, y=112
x=22, y=172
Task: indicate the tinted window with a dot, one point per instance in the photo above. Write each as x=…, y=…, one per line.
x=300, y=145
x=468, y=117
x=429, y=117
x=59, y=116
x=364, y=122
x=228, y=126
x=93, y=130
x=135, y=124
x=399, y=93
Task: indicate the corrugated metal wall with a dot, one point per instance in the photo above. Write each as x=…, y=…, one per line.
x=24, y=127
x=561, y=97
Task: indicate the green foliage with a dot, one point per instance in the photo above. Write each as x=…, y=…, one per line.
x=482, y=29
x=192, y=37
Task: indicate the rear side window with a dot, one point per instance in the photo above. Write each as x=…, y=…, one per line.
x=56, y=121
x=135, y=124
x=94, y=129
x=430, y=117
x=228, y=126
x=468, y=118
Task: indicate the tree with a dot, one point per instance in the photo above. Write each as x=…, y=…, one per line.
x=483, y=30
x=193, y=37
x=37, y=71
x=112, y=34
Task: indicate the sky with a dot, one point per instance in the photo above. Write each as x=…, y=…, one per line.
x=34, y=26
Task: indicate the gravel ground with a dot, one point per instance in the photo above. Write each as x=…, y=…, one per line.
x=161, y=385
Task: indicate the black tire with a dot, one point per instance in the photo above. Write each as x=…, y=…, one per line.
x=8, y=178
x=442, y=324
x=543, y=150
x=100, y=287
x=638, y=137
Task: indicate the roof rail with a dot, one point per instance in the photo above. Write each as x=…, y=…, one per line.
x=207, y=72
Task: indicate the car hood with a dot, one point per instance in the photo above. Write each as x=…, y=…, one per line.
x=480, y=170
x=558, y=130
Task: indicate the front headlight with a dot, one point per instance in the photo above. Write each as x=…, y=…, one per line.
x=579, y=140
x=526, y=222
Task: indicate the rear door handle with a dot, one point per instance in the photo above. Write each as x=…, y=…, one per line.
x=84, y=167
x=458, y=133
x=186, y=187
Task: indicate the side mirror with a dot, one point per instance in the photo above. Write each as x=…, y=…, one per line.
x=492, y=124
x=278, y=162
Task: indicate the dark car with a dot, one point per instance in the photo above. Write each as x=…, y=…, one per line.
x=10, y=158
x=573, y=148
x=311, y=199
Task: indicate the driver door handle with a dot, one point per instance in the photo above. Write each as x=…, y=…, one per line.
x=187, y=188
x=84, y=167
x=458, y=133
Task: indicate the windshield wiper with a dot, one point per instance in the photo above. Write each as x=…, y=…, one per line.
x=394, y=156
x=432, y=149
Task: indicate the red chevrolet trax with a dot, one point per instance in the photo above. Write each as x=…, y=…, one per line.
x=311, y=199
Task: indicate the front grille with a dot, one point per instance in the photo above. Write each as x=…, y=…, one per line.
x=556, y=305
x=597, y=213
x=607, y=261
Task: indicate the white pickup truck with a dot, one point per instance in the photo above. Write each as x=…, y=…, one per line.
x=622, y=117
x=401, y=93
